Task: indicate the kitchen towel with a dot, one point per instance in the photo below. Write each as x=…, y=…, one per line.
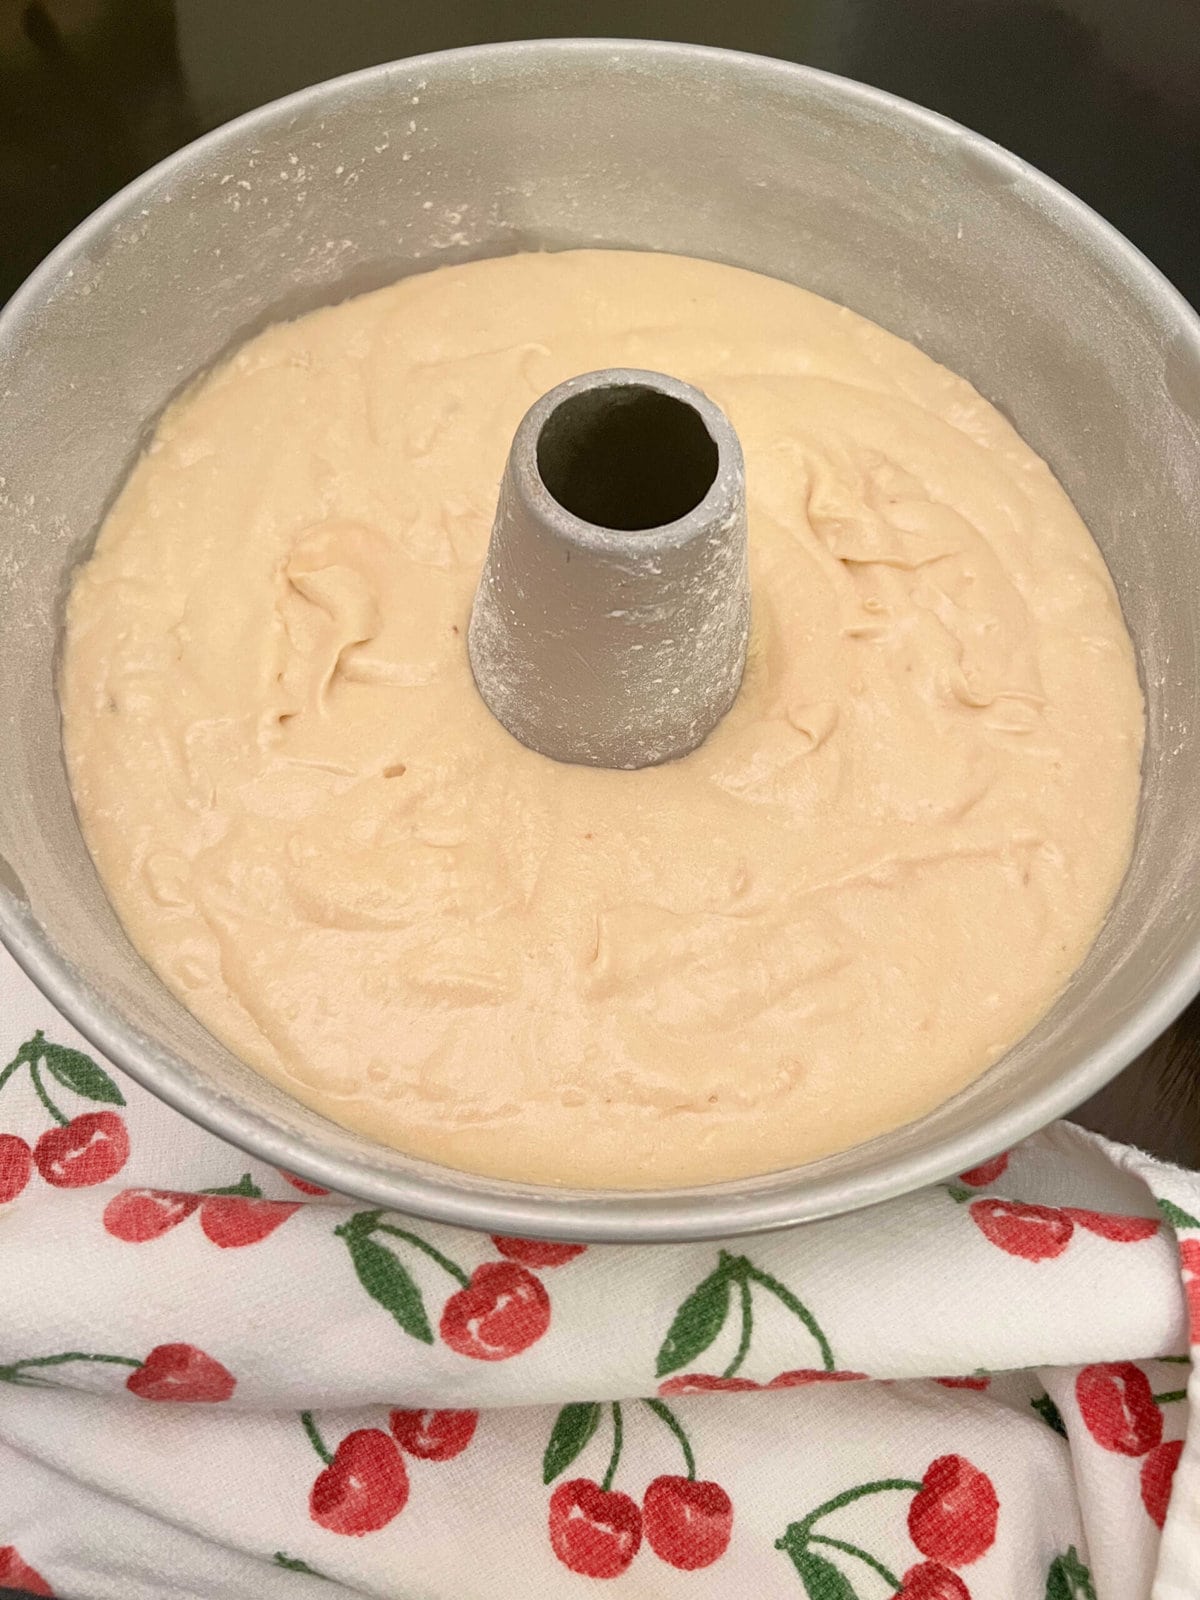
x=222, y=1384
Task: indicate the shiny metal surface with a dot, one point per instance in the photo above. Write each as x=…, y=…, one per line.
x=612, y=617
x=930, y=230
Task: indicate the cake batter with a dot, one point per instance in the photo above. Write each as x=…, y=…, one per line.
x=869, y=882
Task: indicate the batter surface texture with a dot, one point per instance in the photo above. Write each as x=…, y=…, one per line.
x=872, y=879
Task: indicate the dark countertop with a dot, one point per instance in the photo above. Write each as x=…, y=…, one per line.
x=1102, y=94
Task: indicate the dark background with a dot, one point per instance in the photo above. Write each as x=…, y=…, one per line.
x=1102, y=94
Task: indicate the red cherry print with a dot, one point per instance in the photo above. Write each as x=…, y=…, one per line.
x=137, y=1215
x=1158, y=1471
x=704, y=1382
x=687, y=1524
x=232, y=1220
x=1123, y=1230
x=799, y=1376
x=363, y=1487
x=181, y=1372
x=302, y=1183
x=90, y=1149
x=1189, y=1255
x=987, y=1172
x=536, y=1252
x=932, y=1581
x=1035, y=1233
x=952, y=1517
x=18, y=1574
x=16, y=1165
x=502, y=1311
x=1117, y=1404
x=963, y=1383
x=433, y=1435
x=594, y=1531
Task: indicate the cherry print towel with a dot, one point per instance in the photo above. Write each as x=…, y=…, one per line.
x=223, y=1384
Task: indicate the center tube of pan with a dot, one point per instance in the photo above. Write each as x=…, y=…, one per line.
x=612, y=617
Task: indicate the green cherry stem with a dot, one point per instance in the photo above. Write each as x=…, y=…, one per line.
x=38, y=1085
x=618, y=1436
x=245, y=1187
x=1179, y=1361
x=294, y=1564
x=665, y=1414
x=783, y=1294
x=747, y=1327
x=314, y=1437
x=863, y=1555
x=1170, y=1396
x=798, y=1531
x=14, y=1372
x=25, y=1056
x=444, y=1262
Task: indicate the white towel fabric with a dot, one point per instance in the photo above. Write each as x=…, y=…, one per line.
x=976, y=1391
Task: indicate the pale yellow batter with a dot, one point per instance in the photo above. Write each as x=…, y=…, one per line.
x=872, y=879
